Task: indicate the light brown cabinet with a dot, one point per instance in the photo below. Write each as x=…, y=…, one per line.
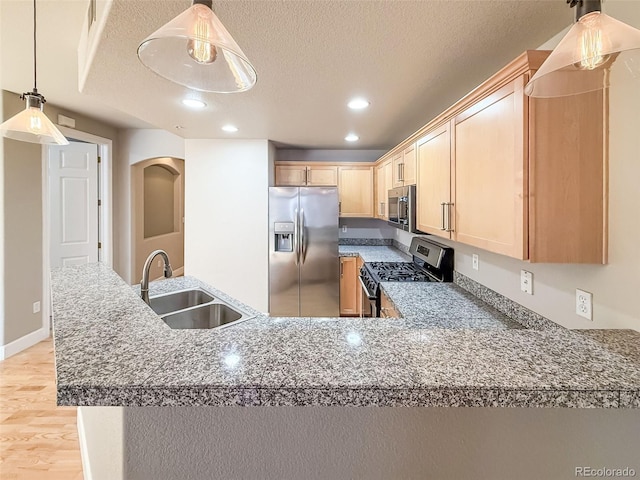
x=515, y=175
x=349, y=299
x=434, y=181
x=384, y=182
x=404, y=167
x=307, y=175
x=387, y=308
x=355, y=188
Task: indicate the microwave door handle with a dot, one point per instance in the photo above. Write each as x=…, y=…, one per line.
x=296, y=246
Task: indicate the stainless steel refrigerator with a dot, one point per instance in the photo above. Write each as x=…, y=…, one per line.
x=304, y=267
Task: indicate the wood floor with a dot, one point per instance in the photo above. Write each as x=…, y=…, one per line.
x=38, y=441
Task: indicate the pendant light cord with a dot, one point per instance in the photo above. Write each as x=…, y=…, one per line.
x=35, y=68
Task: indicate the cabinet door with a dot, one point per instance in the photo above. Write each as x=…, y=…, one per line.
x=434, y=181
x=348, y=286
x=491, y=172
x=384, y=180
x=326, y=176
x=355, y=187
x=398, y=166
x=409, y=165
x=359, y=264
x=289, y=175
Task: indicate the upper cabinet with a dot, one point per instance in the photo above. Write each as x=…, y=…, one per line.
x=434, y=182
x=355, y=188
x=306, y=175
x=518, y=176
x=404, y=167
x=384, y=182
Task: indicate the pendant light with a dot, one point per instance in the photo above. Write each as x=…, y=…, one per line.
x=196, y=50
x=582, y=60
x=32, y=125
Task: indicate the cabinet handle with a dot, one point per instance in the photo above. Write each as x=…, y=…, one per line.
x=384, y=207
x=341, y=269
x=401, y=172
x=449, y=205
x=306, y=175
x=443, y=226
x=339, y=208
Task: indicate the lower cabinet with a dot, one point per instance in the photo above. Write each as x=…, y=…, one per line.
x=387, y=308
x=350, y=291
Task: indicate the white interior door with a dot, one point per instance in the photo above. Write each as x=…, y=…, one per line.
x=73, y=204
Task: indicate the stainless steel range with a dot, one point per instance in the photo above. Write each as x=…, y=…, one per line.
x=432, y=262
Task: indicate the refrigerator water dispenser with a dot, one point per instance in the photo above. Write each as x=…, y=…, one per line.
x=284, y=236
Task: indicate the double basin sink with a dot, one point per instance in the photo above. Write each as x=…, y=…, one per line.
x=195, y=308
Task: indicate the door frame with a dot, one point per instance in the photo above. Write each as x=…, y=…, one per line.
x=105, y=194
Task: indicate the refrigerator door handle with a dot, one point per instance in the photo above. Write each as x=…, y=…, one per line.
x=296, y=246
x=302, y=249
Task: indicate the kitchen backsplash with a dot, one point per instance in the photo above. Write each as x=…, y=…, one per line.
x=366, y=228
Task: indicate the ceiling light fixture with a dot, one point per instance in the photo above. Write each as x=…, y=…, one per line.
x=582, y=60
x=193, y=103
x=358, y=103
x=196, y=50
x=31, y=124
x=352, y=137
x=230, y=128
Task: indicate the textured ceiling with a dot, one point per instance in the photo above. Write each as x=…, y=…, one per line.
x=411, y=59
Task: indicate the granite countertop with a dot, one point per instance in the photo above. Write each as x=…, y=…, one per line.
x=111, y=349
x=443, y=305
x=374, y=253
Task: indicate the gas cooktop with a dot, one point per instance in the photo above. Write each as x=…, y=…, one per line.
x=398, y=272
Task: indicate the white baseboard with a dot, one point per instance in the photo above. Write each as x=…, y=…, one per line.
x=23, y=343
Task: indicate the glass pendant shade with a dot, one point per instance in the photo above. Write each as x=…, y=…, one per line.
x=32, y=125
x=196, y=50
x=582, y=60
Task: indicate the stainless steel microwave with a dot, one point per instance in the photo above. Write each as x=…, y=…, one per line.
x=402, y=208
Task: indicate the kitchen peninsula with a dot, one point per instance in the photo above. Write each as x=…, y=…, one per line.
x=111, y=349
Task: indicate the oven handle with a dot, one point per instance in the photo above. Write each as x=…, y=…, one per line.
x=364, y=287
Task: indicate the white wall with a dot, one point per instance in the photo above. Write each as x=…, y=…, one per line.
x=614, y=286
x=226, y=213
x=134, y=145
x=366, y=228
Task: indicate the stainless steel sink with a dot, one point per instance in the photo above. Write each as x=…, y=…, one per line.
x=205, y=316
x=175, y=301
x=195, y=308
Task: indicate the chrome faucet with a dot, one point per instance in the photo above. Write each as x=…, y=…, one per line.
x=144, y=285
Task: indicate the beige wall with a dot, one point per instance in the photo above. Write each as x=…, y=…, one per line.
x=614, y=286
x=172, y=243
x=134, y=146
x=22, y=209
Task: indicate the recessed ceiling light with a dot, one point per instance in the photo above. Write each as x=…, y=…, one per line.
x=230, y=128
x=358, y=103
x=193, y=103
x=352, y=137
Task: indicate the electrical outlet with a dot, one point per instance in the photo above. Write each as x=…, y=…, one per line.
x=475, y=261
x=526, y=282
x=36, y=307
x=344, y=229
x=584, y=304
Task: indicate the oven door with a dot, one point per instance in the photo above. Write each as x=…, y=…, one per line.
x=369, y=306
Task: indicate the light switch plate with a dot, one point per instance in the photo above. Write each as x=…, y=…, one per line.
x=344, y=229
x=476, y=262
x=526, y=282
x=36, y=307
